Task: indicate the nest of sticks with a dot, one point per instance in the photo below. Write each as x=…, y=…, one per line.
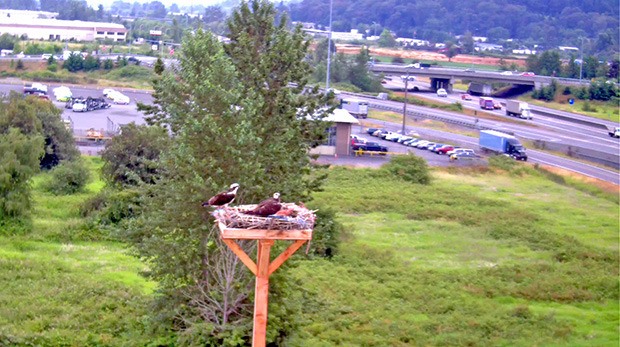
x=290, y=217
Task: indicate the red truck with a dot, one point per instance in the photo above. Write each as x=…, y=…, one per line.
x=487, y=103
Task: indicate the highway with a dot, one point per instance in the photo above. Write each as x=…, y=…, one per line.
x=117, y=115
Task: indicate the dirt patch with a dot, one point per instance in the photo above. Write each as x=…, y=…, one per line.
x=432, y=56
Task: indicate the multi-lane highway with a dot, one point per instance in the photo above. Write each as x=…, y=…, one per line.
x=540, y=128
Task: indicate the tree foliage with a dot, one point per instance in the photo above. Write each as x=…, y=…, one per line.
x=237, y=113
x=68, y=178
x=131, y=158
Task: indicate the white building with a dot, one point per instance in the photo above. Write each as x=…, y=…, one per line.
x=336, y=35
x=407, y=42
x=52, y=29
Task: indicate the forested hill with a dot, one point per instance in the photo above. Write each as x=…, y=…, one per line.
x=548, y=22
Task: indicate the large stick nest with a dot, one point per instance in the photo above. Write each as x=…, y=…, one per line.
x=290, y=217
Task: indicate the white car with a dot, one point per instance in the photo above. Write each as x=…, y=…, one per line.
x=108, y=91
x=390, y=136
x=442, y=93
x=460, y=150
x=45, y=56
x=62, y=93
x=119, y=98
x=506, y=73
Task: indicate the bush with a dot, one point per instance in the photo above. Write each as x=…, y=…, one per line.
x=68, y=178
x=110, y=207
x=410, y=168
x=326, y=234
x=20, y=64
x=52, y=67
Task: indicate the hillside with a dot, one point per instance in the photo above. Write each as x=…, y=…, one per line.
x=547, y=24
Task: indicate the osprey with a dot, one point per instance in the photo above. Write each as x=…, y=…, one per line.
x=224, y=198
x=267, y=207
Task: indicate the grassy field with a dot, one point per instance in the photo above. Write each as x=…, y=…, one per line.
x=596, y=109
x=61, y=289
x=478, y=257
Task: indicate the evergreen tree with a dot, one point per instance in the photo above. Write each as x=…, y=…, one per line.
x=237, y=114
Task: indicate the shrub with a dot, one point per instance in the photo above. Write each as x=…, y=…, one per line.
x=326, y=234
x=110, y=207
x=52, y=67
x=20, y=64
x=410, y=168
x=68, y=178
x=502, y=162
x=587, y=107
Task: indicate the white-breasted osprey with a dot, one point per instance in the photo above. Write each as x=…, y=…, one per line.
x=267, y=207
x=224, y=198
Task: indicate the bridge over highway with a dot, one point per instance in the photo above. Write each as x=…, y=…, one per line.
x=444, y=77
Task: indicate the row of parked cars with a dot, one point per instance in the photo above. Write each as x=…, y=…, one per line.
x=454, y=152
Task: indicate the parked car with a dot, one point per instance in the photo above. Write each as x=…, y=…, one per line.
x=370, y=131
x=357, y=139
x=119, y=98
x=466, y=97
x=442, y=93
x=392, y=137
x=404, y=138
x=463, y=155
x=426, y=145
x=108, y=91
x=370, y=147
x=460, y=150
x=444, y=149
x=378, y=133
x=434, y=147
x=416, y=143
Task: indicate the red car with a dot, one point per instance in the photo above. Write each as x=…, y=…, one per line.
x=465, y=97
x=445, y=149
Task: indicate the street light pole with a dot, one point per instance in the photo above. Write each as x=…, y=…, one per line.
x=581, y=64
x=329, y=46
x=405, y=104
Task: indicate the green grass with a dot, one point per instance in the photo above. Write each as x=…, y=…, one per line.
x=473, y=259
x=478, y=257
x=602, y=110
x=61, y=290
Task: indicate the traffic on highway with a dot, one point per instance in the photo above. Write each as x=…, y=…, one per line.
x=542, y=128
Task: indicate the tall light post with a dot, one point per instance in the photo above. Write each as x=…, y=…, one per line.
x=329, y=46
x=581, y=63
x=405, y=104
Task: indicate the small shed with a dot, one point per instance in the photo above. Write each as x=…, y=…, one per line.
x=339, y=137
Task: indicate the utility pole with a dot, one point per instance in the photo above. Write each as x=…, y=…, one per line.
x=405, y=104
x=329, y=46
x=581, y=63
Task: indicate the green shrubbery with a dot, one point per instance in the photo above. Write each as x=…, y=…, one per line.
x=410, y=168
x=68, y=178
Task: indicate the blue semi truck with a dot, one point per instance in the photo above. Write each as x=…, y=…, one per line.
x=500, y=143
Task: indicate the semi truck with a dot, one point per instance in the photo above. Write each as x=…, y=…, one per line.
x=615, y=132
x=357, y=108
x=487, y=103
x=479, y=89
x=518, y=108
x=501, y=143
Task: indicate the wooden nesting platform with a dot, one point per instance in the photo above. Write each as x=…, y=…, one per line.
x=293, y=223
x=234, y=224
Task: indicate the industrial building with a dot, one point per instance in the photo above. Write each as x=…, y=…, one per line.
x=42, y=26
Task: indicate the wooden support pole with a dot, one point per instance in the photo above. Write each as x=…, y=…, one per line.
x=275, y=264
x=261, y=293
x=234, y=246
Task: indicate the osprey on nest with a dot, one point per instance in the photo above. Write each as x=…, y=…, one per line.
x=267, y=207
x=224, y=198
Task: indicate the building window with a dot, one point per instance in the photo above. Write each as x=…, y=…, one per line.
x=100, y=32
x=110, y=33
x=331, y=136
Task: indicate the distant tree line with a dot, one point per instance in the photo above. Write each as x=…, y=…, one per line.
x=548, y=24
x=549, y=63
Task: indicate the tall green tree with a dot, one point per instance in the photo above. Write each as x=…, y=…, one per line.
x=237, y=113
x=386, y=39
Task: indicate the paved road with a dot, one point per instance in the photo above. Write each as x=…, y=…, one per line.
x=117, y=115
